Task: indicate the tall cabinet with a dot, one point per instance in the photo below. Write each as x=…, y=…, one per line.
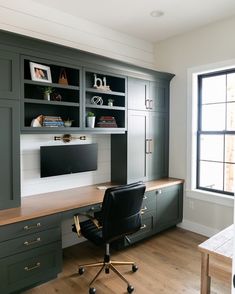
x=9, y=131
x=145, y=155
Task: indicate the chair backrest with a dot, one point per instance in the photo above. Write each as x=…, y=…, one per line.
x=121, y=210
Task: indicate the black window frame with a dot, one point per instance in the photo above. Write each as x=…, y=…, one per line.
x=200, y=132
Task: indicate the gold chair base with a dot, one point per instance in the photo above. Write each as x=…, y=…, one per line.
x=107, y=266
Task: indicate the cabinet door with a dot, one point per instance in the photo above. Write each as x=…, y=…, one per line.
x=169, y=203
x=136, y=145
x=137, y=93
x=158, y=96
x=157, y=145
x=9, y=73
x=9, y=154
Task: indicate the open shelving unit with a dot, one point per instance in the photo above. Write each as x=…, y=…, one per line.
x=75, y=98
x=116, y=92
x=64, y=100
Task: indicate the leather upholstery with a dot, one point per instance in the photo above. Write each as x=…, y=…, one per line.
x=121, y=214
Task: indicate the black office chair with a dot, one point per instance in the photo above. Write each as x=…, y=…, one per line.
x=120, y=216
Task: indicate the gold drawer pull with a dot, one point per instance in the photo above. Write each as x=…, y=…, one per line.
x=27, y=243
x=143, y=210
x=27, y=268
x=142, y=227
x=26, y=228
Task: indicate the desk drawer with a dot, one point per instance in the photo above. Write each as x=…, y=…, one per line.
x=23, y=228
x=29, y=242
x=145, y=231
x=29, y=268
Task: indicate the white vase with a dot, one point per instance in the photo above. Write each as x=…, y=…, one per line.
x=47, y=96
x=91, y=121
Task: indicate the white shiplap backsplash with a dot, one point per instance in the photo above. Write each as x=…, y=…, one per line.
x=32, y=183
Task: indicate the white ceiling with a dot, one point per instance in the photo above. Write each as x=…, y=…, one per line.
x=133, y=16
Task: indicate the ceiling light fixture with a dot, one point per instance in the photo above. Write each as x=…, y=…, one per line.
x=156, y=13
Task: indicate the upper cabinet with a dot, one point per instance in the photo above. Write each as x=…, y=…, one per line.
x=9, y=73
x=147, y=95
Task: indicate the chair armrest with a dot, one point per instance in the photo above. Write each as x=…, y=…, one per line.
x=77, y=222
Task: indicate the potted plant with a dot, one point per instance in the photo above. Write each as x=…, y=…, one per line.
x=47, y=93
x=110, y=102
x=90, y=119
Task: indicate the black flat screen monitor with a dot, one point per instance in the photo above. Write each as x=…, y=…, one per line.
x=60, y=160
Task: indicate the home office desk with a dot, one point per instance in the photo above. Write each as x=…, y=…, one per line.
x=30, y=236
x=219, y=247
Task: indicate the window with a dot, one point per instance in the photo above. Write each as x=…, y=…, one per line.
x=216, y=132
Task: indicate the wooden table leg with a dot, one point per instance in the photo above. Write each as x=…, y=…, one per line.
x=205, y=278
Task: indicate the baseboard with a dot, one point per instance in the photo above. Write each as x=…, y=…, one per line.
x=198, y=228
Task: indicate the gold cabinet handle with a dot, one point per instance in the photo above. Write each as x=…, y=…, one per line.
x=147, y=146
x=27, y=268
x=150, y=146
x=150, y=104
x=147, y=103
x=27, y=243
x=145, y=197
x=26, y=228
x=143, y=210
x=142, y=227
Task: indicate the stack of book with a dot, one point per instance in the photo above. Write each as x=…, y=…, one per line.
x=52, y=121
x=107, y=122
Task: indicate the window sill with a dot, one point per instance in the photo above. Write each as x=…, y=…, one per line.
x=215, y=198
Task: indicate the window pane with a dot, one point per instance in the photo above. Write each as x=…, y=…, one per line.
x=230, y=148
x=231, y=87
x=211, y=175
x=229, y=177
x=214, y=89
x=231, y=116
x=207, y=147
x=213, y=117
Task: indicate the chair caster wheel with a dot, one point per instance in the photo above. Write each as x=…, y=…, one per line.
x=92, y=290
x=81, y=270
x=130, y=289
x=134, y=268
x=107, y=270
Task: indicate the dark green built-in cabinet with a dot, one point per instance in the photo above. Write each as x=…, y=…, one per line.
x=9, y=130
x=145, y=156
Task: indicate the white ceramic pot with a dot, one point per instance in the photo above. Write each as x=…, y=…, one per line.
x=91, y=121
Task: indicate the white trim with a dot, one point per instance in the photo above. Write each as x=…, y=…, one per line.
x=198, y=228
x=192, y=75
x=216, y=198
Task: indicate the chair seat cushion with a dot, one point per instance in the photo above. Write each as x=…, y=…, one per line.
x=90, y=231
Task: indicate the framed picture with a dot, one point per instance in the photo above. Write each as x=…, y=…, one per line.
x=40, y=73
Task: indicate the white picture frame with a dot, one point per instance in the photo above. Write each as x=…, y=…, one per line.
x=40, y=73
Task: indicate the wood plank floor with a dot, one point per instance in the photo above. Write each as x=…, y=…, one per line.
x=168, y=263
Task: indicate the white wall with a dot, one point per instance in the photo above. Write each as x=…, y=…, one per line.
x=35, y=20
x=31, y=183
x=209, y=45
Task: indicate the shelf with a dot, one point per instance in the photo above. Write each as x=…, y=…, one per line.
x=56, y=103
x=50, y=130
x=53, y=85
x=105, y=107
x=94, y=90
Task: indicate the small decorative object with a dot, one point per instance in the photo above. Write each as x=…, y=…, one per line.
x=63, y=77
x=68, y=123
x=110, y=102
x=99, y=84
x=37, y=122
x=97, y=100
x=47, y=93
x=90, y=120
x=40, y=73
x=55, y=96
